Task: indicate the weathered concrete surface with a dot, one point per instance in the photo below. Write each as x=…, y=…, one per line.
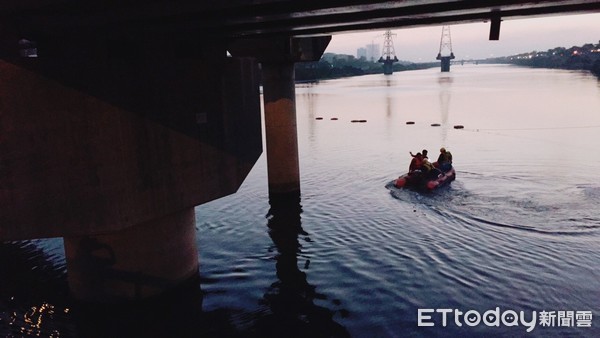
x=281, y=132
x=101, y=138
x=139, y=262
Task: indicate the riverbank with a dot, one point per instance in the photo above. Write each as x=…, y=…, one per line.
x=586, y=57
x=334, y=66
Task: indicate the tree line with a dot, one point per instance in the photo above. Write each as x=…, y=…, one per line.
x=332, y=66
x=586, y=57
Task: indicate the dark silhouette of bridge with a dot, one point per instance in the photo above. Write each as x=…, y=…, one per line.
x=119, y=117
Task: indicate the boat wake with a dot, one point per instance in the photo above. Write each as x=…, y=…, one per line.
x=573, y=215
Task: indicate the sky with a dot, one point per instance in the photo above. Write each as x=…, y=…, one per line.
x=470, y=41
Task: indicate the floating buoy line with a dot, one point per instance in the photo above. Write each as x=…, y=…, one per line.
x=336, y=119
x=458, y=126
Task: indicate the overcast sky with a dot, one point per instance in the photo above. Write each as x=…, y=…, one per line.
x=471, y=40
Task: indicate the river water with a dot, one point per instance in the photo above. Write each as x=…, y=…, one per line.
x=519, y=229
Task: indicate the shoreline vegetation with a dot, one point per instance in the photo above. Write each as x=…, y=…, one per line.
x=333, y=66
x=586, y=57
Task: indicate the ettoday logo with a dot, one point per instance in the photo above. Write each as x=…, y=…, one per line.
x=497, y=318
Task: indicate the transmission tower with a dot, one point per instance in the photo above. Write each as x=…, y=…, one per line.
x=445, y=54
x=388, y=56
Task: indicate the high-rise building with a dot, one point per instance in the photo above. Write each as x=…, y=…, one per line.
x=361, y=53
x=373, y=52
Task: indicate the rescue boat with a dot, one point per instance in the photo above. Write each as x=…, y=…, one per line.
x=418, y=181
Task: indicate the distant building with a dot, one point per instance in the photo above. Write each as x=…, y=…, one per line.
x=361, y=53
x=332, y=57
x=345, y=57
x=373, y=52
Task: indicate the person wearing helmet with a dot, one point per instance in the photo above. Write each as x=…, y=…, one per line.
x=444, y=160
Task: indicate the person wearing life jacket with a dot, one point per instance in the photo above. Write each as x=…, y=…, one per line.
x=444, y=160
x=429, y=170
x=415, y=163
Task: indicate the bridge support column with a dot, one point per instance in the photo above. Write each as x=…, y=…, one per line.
x=281, y=132
x=135, y=263
x=110, y=142
x=445, y=64
x=277, y=57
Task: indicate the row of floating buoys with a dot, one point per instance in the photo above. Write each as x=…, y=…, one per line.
x=458, y=126
x=335, y=119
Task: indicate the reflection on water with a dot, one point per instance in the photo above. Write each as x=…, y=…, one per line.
x=389, y=84
x=41, y=307
x=291, y=299
x=178, y=313
x=311, y=100
x=33, y=292
x=445, y=81
x=445, y=95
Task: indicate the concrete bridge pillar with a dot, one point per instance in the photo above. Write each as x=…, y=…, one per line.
x=111, y=141
x=277, y=57
x=135, y=263
x=445, y=63
x=281, y=132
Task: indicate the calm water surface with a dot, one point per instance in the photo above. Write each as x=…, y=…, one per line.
x=519, y=229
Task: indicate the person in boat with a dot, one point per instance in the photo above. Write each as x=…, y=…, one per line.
x=423, y=153
x=429, y=170
x=444, y=160
x=415, y=163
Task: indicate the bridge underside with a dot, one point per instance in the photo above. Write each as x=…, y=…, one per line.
x=242, y=18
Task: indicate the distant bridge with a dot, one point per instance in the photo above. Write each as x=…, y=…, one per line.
x=118, y=117
x=468, y=61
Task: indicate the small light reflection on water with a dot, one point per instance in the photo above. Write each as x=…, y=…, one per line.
x=32, y=292
x=34, y=321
